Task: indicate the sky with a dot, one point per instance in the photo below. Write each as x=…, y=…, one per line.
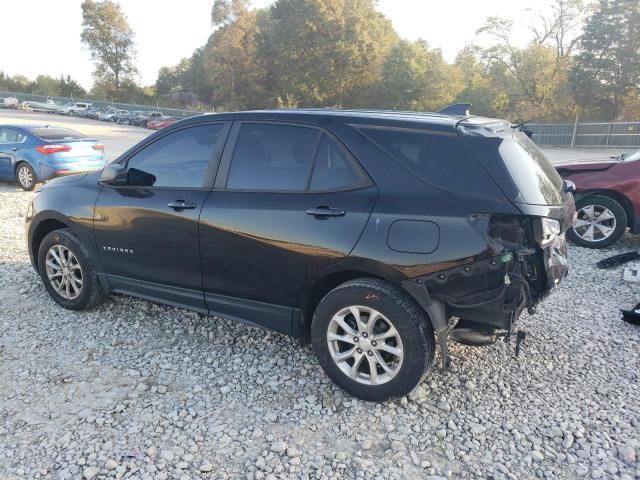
x=43, y=36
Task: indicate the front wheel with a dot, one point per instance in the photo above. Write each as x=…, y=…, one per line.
x=372, y=340
x=25, y=176
x=67, y=271
x=601, y=222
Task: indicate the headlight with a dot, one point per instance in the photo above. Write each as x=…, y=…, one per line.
x=550, y=229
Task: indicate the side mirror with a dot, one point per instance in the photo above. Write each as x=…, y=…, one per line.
x=114, y=174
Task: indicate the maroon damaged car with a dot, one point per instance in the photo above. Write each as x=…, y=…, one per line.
x=607, y=199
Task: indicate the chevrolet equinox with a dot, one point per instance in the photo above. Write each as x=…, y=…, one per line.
x=363, y=232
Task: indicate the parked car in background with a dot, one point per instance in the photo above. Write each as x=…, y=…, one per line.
x=31, y=154
x=607, y=197
x=291, y=220
x=74, y=108
x=142, y=119
x=107, y=114
x=120, y=116
x=160, y=122
x=94, y=112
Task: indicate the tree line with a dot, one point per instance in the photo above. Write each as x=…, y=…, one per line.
x=582, y=58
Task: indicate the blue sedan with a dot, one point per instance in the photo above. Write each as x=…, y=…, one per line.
x=31, y=154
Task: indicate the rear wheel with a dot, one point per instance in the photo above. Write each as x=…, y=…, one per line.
x=372, y=340
x=25, y=176
x=601, y=222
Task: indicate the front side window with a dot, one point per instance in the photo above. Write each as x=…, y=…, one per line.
x=272, y=157
x=179, y=159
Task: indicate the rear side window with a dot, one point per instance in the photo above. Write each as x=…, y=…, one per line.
x=56, y=133
x=179, y=159
x=440, y=158
x=334, y=169
x=272, y=157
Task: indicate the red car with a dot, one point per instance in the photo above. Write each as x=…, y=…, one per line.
x=607, y=199
x=160, y=122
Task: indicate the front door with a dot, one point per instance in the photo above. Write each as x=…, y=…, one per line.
x=274, y=219
x=147, y=231
x=10, y=143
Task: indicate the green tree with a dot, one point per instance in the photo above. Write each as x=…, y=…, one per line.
x=535, y=77
x=607, y=69
x=68, y=87
x=109, y=38
x=415, y=77
x=46, y=85
x=229, y=57
x=325, y=52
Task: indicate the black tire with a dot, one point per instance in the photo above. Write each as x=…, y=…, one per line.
x=577, y=233
x=411, y=323
x=91, y=293
x=24, y=172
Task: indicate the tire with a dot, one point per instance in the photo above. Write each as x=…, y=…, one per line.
x=414, y=338
x=61, y=242
x=592, y=229
x=25, y=176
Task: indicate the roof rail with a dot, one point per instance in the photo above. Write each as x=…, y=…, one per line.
x=456, y=109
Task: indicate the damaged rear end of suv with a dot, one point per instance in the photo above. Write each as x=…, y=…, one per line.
x=481, y=236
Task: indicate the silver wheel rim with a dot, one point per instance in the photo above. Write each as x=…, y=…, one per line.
x=365, y=345
x=25, y=176
x=64, y=272
x=595, y=223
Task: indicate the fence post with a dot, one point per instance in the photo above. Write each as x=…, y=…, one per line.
x=608, y=135
x=575, y=132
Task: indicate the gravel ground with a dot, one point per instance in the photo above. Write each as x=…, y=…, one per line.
x=137, y=390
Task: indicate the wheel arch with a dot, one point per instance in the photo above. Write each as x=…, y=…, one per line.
x=614, y=195
x=314, y=290
x=43, y=228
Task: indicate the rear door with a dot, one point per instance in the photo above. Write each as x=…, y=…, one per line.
x=289, y=200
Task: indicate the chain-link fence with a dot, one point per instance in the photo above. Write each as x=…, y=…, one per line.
x=27, y=97
x=586, y=134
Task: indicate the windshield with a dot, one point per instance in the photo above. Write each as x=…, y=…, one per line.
x=56, y=133
x=632, y=157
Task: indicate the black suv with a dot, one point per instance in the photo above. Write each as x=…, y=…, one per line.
x=361, y=231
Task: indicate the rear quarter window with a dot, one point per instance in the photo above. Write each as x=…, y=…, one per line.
x=439, y=158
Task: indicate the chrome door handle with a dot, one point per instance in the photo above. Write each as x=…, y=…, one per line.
x=323, y=211
x=181, y=205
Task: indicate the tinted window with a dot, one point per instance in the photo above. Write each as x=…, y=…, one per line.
x=179, y=159
x=56, y=133
x=8, y=135
x=333, y=169
x=272, y=157
x=441, y=159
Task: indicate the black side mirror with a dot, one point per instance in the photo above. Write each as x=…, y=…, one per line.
x=114, y=174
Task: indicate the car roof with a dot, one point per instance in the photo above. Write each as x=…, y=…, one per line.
x=432, y=120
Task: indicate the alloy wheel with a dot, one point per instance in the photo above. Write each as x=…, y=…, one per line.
x=365, y=345
x=25, y=176
x=595, y=223
x=64, y=272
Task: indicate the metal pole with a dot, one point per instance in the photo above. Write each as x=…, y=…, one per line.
x=575, y=132
x=608, y=135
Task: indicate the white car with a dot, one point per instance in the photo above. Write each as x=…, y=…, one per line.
x=73, y=108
